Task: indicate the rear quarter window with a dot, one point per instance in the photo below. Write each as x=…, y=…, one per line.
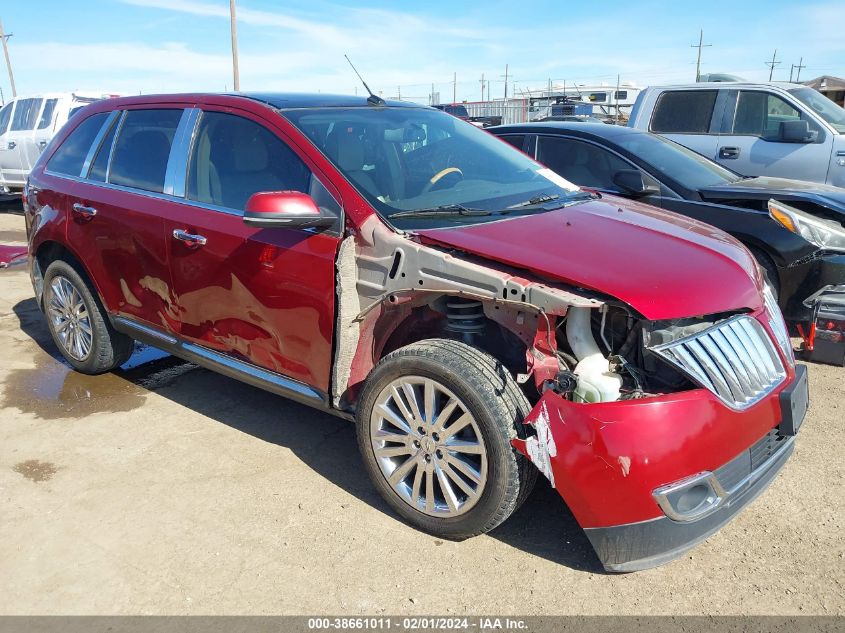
x=70, y=156
x=139, y=158
x=684, y=112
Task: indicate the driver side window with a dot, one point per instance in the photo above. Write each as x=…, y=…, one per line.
x=760, y=114
x=233, y=158
x=583, y=164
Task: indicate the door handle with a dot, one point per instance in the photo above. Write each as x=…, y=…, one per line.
x=190, y=239
x=729, y=152
x=11, y=145
x=81, y=209
x=42, y=144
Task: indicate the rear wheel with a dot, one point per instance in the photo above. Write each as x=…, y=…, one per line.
x=78, y=324
x=435, y=423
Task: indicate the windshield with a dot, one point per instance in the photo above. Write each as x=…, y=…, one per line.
x=414, y=159
x=684, y=166
x=821, y=105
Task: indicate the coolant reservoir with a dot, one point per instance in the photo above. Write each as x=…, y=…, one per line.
x=596, y=383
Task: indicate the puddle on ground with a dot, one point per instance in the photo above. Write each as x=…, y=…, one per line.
x=36, y=470
x=52, y=389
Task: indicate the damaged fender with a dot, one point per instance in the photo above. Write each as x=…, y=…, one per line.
x=380, y=272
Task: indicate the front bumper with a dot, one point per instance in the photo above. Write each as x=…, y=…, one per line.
x=637, y=546
x=608, y=459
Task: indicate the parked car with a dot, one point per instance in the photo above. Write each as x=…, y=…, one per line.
x=572, y=118
x=479, y=317
x=795, y=230
x=459, y=110
x=26, y=126
x=757, y=129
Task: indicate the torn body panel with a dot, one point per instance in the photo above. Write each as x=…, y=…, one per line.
x=606, y=459
x=382, y=275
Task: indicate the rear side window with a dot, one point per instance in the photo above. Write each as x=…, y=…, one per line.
x=25, y=114
x=47, y=114
x=139, y=159
x=684, y=112
x=71, y=154
x=6, y=116
x=234, y=157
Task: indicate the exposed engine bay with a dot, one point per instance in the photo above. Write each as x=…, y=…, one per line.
x=586, y=347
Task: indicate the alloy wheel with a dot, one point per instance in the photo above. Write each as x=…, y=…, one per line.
x=69, y=318
x=428, y=446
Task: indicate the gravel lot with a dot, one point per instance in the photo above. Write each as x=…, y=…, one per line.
x=168, y=489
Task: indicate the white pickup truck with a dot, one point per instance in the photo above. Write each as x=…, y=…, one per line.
x=756, y=129
x=26, y=126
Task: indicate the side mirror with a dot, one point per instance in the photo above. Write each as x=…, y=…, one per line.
x=797, y=131
x=633, y=183
x=285, y=210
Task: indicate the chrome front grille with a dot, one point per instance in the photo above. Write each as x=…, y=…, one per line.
x=735, y=359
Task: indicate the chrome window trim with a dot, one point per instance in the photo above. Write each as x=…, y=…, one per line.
x=177, y=161
x=118, y=131
x=97, y=142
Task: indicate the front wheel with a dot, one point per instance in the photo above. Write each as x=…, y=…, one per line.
x=435, y=421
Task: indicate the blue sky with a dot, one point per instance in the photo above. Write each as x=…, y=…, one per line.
x=132, y=46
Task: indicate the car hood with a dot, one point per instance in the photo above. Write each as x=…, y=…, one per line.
x=664, y=265
x=782, y=189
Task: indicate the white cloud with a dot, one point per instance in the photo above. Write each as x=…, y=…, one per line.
x=393, y=47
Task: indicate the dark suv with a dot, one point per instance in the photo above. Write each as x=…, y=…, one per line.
x=478, y=316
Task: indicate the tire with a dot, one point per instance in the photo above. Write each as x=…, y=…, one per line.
x=501, y=478
x=100, y=347
x=769, y=268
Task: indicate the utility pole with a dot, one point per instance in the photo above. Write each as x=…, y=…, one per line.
x=772, y=64
x=399, y=92
x=799, y=67
x=699, y=46
x=482, y=86
x=616, y=98
x=455, y=88
x=506, y=81
x=234, y=28
x=5, y=37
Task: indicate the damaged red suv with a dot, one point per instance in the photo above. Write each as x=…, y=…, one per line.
x=480, y=318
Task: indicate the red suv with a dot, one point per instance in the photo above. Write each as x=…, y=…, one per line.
x=480, y=318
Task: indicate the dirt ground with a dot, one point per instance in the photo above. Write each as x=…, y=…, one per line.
x=164, y=488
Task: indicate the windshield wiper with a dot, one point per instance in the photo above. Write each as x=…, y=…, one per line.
x=541, y=199
x=441, y=211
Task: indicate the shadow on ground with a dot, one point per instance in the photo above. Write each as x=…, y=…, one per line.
x=543, y=527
